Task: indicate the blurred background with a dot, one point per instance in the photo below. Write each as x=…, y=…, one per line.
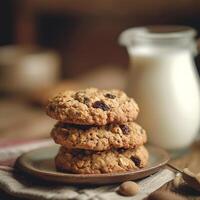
x=47, y=46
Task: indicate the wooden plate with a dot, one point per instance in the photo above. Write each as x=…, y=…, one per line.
x=40, y=163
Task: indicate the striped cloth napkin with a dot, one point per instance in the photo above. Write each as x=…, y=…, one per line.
x=20, y=185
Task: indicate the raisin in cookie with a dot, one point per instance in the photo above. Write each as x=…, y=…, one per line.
x=99, y=138
x=91, y=162
x=92, y=107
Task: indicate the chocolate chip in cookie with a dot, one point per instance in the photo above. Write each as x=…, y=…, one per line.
x=86, y=100
x=101, y=105
x=136, y=160
x=125, y=129
x=110, y=96
x=121, y=150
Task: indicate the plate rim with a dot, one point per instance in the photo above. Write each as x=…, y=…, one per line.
x=30, y=169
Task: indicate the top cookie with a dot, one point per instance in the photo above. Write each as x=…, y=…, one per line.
x=92, y=107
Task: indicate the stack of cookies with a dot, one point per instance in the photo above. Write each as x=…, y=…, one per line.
x=97, y=132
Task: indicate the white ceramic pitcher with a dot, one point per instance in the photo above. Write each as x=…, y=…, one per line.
x=164, y=81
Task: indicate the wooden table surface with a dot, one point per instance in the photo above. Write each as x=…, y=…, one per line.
x=19, y=118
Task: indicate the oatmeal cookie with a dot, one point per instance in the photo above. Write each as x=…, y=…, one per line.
x=92, y=107
x=99, y=138
x=91, y=162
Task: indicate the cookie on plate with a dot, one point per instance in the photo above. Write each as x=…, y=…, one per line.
x=99, y=138
x=92, y=107
x=91, y=162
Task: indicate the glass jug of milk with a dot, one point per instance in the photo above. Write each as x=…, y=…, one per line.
x=164, y=81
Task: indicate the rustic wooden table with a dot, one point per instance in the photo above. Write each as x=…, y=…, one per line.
x=18, y=119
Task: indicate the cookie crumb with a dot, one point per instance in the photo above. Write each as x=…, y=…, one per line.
x=128, y=188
